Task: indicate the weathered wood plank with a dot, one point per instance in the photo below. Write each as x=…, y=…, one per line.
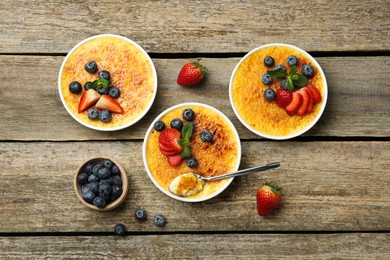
x=228, y=246
x=328, y=186
x=358, y=103
x=168, y=26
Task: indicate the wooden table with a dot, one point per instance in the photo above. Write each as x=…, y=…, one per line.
x=335, y=177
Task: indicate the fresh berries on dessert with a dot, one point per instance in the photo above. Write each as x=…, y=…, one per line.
x=99, y=202
x=105, y=115
x=305, y=101
x=75, y=87
x=279, y=66
x=177, y=124
x=120, y=229
x=192, y=162
x=82, y=178
x=93, y=113
x=174, y=160
x=91, y=67
x=169, y=142
x=107, y=102
x=266, y=79
x=283, y=84
x=159, y=126
x=188, y=114
x=269, y=61
x=102, y=91
x=87, y=85
x=268, y=198
x=206, y=136
x=292, y=60
x=88, y=99
x=191, y=74
x=159, y=220
x=295, y=104
x=114, y=92
x=104, y=74
x=316, y=93
x=140, y=214
x=283, y=98
x=307, y=70
x=269, y=94
x=311, y=102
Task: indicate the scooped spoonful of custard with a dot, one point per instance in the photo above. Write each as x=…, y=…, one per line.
x=191, y=183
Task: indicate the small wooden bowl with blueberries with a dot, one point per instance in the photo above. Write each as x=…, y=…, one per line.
x=101, y=183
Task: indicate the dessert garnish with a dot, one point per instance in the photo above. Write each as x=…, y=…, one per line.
x=191, y=74
x=294, y=79
x=268, y=198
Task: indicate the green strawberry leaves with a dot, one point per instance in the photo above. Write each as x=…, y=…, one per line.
x=101, y=83
x=186, y=134
x=293, y=78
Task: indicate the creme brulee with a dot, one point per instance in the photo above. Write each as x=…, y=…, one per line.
x=130, y=69
x=247, y=92
x=216, y=158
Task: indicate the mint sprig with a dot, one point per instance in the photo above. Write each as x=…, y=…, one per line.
x=186, y=134
x=279, y=73
x=101, y=83
x=294, y=79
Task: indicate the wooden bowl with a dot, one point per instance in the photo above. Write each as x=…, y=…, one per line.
x=112, y=204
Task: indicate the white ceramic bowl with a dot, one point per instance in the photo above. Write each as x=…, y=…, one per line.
x=323, y=103
x=166, y=192
x=121, y=126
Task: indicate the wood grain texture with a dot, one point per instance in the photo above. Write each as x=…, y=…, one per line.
x=196, y=26
x=229, y=246
x=328, y=186
x=32, y=110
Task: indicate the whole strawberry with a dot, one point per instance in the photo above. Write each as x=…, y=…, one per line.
x=191, y=74
x=268, y=198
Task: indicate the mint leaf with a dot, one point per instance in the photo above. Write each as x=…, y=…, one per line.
x=187, y=130
x=279, y=73
x=101, y=83
x=290, y=84
x=186, y=152
x=293, y=71
x=186, y=134
x=300, y=80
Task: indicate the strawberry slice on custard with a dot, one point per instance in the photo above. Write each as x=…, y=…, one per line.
x=316, y=93
x=295, y=104
x=305, y=101
x=88, y=99
x=168, y=142
x=107, y=102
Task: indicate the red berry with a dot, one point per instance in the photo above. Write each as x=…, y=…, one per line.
x=283, y=98
x=268, y=198
x=191, y=74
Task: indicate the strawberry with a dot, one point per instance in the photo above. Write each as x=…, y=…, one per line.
x=311, y=102
x=305, y=101
x=268, y=198
x=169, y=141
x=295, y=104
x=107, y=102
x=174, y=160
x=88, y=99
x=283, y=98
x=191, y=74
x=316, y=93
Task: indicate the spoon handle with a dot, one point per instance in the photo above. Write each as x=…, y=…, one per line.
x=246, y=171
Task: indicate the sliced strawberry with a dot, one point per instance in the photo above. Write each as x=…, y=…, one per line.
x=169, y=140
x=295, y=104
x=174, y=160
x=88, y=99
x=311, y=102
x=107, y=102
x=166, y=151
x=316, y=93
x=305, y=102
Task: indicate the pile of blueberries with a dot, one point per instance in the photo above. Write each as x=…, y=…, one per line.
x=101, y=183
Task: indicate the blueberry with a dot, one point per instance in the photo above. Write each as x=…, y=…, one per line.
x=307, y=70
x=266, y=79
x=117, y=180
x=159, y=126
x=106, y=163
x=104, y=74
x=88, y=196
x=105, y=115
x=268, y=61
x=188, y=114
x=93, y=178
x=140, y=214
x=192, y=162
x=159, y=220
x=114, y=92
x=96, y=168
x=280, y=67
x=82, y=178
x=91, y=67
x=104, y=173
x=206, y=136
x=102, y=91
x=292, y=60
x=116, y=192
x=177, y=124
x=108, y=181
x=269, y=94
x=93, y=113
x=93, y=186
x=88, y=168
x=105, y=189
x=283, y=84
x=120, y=229
x=99, y=202
x=75, y=87
x=115, y=170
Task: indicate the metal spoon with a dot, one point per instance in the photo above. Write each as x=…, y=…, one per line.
x=189, y=184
